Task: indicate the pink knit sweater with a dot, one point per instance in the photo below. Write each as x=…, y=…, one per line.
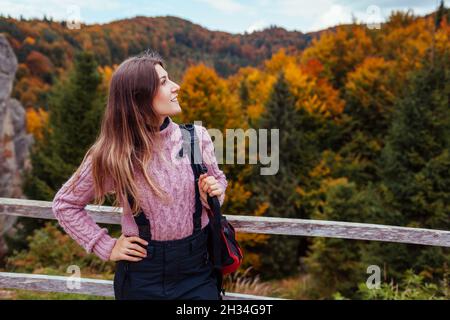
x=167, y=222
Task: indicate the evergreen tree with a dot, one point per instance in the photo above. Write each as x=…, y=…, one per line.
x=369, y=94
x=297, y=151
x=74, y=121
x=441, y=13
x=415, y=192
x=78, y=106
x=338, y=265
x=416, y=167
x=420, y=133
x=76, y=109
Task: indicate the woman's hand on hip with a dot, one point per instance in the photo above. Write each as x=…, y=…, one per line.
x=209, y=185
x=127, y=249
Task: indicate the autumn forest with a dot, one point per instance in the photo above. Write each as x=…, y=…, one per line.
x=364, y=121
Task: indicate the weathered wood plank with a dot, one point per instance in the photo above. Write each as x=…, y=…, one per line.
x=264, y=225
x=43, y=210
x=339, y=229
x=38, y=282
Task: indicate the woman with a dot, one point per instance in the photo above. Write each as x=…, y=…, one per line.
x=162, y=252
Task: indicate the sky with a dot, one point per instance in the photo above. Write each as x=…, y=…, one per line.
x=233, y=16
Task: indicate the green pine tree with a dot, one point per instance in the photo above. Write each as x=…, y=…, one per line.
x=297, y=152
x=340, y=264
x=415, y=192
x=420, y=133
x=441, y=13
x=77, y=105
x=416, y=168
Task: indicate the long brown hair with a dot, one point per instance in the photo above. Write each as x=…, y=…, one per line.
x=129, y=133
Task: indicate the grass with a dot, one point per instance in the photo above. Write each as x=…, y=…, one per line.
x=296, y=287
x=19, y=294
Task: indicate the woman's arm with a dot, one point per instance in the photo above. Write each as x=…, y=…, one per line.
x=68, y=208
x=209, y=159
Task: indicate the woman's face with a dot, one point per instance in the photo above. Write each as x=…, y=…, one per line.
x=165, y=102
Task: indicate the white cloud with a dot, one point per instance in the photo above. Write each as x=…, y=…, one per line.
x=228, y=6
x=263, y=2
x=257, y=25
x=303, y=8
x=57, y=9
x=322, y=14
x=304, y=15
x=335, y=15
x=316, y=14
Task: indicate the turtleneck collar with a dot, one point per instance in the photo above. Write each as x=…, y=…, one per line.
x=167, y=127
x=165, y=124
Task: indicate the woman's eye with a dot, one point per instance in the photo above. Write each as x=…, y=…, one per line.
x=163, y=82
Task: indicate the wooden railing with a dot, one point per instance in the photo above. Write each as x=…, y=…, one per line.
x=249, y=224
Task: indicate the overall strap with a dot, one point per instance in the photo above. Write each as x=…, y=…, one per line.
x=141, y=220
x=191, y=147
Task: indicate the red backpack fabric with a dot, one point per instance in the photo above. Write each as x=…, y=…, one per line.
x=226, y=252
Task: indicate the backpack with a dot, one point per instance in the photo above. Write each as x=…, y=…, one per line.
x=223, y=248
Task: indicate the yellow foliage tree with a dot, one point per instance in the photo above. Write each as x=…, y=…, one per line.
x=28, y=89
x=407, y=45
x=253, y=88
x=106, y=73
x=29, y=40
x=372, y=84
x=36, y=120
x=204, y=96
x=340, y=51
x=312, y=91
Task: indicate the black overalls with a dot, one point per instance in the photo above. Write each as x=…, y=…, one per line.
x=174, y=269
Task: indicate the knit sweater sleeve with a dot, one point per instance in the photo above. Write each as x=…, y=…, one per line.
x=69, y=209
x=209, y=159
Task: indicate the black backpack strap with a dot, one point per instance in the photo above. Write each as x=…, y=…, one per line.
x=216, y=227
x=190, y=144
x=199, y=168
